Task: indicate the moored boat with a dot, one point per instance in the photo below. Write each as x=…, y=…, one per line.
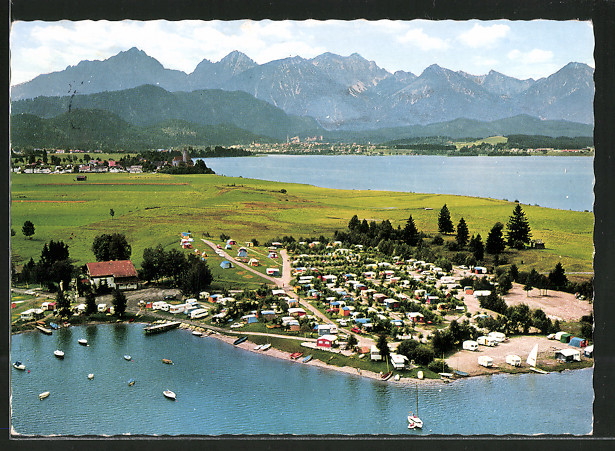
x=167, y=361
x=43, y=395
x=44, y=330
x=265, y=347
x=414, y=422
x=91, y=376
x=307, y=359
x=169, y=394
x=82, y=342
x=59, y=354
x=240, y=340
x=386, y=376
x=127, y=357
x=131, y=382
x=296, y=355
x=197, y=333
x=54, y=326
x=19, y=366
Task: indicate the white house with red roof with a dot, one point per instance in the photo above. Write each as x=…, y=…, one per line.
x=114, y=274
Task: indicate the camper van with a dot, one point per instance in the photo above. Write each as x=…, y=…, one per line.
x=499, y=337
x=470, y=345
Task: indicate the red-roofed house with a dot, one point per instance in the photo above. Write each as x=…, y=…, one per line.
x=121, y=274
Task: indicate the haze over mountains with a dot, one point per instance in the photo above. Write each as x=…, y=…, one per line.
x=340, y=93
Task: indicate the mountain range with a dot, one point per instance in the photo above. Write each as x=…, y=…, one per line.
x=338, y=92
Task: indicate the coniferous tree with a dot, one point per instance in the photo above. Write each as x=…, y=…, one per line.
x=411, y=233
x=63, y=303
x=119, y=302
x=557, y=277
x=383, y=346
x=462, y=233
x=519, y=231
x=495, y=243
x=477, y=247
x=445, y=225
x=90, y=303
x=28, y=229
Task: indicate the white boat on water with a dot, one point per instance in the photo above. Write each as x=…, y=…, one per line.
x=43, y=395
x=127, y=357
x=414, y=422
x=197, y=333
x=90, y=376
x=59, y=354
x=19, y=366
x=169, y=394
x=82, y=342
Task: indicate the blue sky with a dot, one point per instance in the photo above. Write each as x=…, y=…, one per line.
x=521, y=49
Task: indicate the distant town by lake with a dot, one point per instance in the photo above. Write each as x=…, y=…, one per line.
x=549, y=181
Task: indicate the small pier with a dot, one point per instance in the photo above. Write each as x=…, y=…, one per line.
x=163, y=327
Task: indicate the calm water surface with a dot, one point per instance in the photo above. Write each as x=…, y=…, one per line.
x=225, y=390
x=554, y=182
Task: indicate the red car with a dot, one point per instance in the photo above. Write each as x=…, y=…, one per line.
x=356, y=330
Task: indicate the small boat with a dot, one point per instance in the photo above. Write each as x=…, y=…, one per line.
x=44, y=330
x=167, y=361
x=131, y=382
x=59, y=354
x=169, y=394
x=240, y=340
x=296, y=355
x=43, y=395
x=258, y=347
x=54, y=326
x=19, y=366
x=414, y=422
x=197, y=333
x=127, y=357
x=91, y=376
x=461, y=373
x=386, y=376
x=420, y=375
x=446, y=375
x=82, y=342
x=265, y=347
x=396, y=377
x=307, y=359
x=538, y=370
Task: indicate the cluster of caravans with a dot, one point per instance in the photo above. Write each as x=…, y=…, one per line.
x=190, y=308
x=491, y=339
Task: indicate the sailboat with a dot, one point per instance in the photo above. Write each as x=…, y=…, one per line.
x=414, y=422
x=531, y=360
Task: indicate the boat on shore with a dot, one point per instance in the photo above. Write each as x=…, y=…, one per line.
x=258, y=347
x=59, y=354
x=169, y=394
x=167, y=361
x=265, y=347
x=82, y=342
x=461, y=373
x=296, y=355
x=240, y=340
x=19, y=366
x=538, y=370
x=127, y=357
x=420, y=375
x=197, y=333
x=44, y=330
x=43, y=395
x=307, y=359
x=386, y=376
x=131, y=382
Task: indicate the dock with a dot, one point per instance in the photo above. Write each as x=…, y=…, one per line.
x=157, y=328
x=44, y=330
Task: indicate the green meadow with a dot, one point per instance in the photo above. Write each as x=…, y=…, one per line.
x=155, y=208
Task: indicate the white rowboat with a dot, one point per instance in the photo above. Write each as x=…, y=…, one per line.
x=169, y=394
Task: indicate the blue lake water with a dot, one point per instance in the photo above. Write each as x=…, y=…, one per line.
x=555, y=182
x=225, y=390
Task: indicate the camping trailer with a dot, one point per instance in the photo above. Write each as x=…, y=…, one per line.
x=486, y=341
x=486, y=361
x=470, y=345
x=513, y=360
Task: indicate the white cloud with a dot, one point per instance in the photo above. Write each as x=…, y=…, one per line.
x=423, y=41
x=534, y=56
x=484, y=36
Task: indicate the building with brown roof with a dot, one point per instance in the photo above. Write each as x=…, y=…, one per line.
x=113, y=274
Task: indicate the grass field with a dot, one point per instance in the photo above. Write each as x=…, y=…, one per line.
x=154, y=208
x=493, y=140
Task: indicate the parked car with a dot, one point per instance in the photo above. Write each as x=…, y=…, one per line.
x=356, y=330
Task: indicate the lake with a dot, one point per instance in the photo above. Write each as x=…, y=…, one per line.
x=225, y=390
x=549, y=181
